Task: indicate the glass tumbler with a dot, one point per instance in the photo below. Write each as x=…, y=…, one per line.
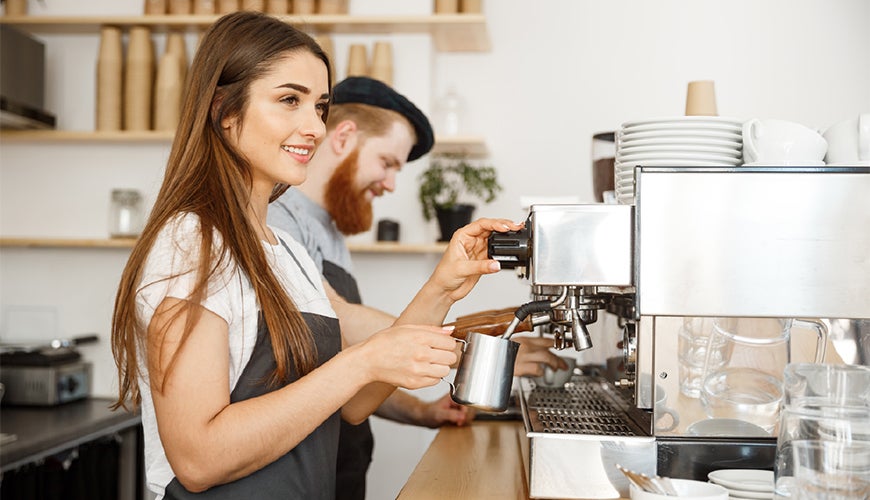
x=806, y=421
x=831, y=470
x=822, y=402
x=827, y=384
x=693, y=345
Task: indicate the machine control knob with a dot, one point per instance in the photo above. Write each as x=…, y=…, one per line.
x=512, y=249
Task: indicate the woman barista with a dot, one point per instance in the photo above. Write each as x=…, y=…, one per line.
x=222, y=330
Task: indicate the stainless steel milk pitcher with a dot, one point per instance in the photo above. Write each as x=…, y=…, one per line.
x=485, y=373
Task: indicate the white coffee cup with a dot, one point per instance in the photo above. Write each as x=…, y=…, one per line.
x=557, y=378
x=660, y=407
x=686, y=488
x=849, y=140
x=661, y=411
x=773, y=141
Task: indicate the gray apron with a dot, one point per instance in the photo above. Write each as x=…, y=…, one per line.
x=308, y=470
x=356, y=442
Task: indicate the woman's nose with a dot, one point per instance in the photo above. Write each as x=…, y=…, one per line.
x=314, y=126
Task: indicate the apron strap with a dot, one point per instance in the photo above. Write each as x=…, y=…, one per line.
x=296, y=261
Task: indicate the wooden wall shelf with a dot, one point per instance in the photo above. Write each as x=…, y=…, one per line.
x=84, y=136
x=97, y=243
x=470, y=145
x=450, y=32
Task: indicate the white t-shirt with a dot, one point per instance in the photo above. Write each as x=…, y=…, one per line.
x=230, y=296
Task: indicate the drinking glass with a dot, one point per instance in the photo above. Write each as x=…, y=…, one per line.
x=693, y=344
x=821, y=402
x=827, y=384
x=831, y=470
x=809, y=421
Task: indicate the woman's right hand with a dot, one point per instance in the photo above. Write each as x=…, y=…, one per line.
x=409, y=356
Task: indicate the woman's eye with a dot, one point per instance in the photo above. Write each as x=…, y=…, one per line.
x=290, y=99
x=322, y=108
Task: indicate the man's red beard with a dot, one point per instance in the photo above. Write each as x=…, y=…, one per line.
x=346, y=204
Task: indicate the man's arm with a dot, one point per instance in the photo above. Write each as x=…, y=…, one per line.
x=358, y=322
x=404, y=408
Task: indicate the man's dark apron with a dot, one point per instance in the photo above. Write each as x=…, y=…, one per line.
x=306, y=471
x=356, y=443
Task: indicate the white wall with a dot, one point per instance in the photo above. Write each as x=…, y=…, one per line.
x=559, y=71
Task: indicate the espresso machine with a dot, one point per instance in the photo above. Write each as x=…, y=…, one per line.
x=756, y=242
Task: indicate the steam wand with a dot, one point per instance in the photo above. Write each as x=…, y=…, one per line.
x=535, y=306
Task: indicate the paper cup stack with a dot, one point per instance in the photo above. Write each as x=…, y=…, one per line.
x=681, y=141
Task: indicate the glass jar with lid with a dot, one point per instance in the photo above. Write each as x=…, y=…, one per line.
x=125, y=213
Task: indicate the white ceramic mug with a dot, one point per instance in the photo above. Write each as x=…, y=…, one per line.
x=557, y=378
x=686, y=488
x=772, y=141
x=662, y=410
x=849, y=140
x=660, y=406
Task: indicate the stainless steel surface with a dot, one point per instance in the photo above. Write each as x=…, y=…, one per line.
x=771, y=242
x=46, y=385
x=485, y=372
x=778, y=242
x=595, y=251
x=585, y=427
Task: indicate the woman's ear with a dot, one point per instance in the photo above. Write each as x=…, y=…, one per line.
x=344, y=137
x=228, y=122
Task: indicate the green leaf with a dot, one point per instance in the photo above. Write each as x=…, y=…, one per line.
x=452, y=179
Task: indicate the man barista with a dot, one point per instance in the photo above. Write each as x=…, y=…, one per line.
x=372, y=131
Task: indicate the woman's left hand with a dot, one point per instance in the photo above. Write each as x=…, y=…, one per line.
x=466, y=259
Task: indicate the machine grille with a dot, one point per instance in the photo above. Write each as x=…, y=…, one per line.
x=583, y=406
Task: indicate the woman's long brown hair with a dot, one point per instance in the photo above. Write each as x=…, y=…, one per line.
x=207, y=176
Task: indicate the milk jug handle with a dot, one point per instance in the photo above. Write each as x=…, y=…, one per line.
x=453, y=387
x=822, y=332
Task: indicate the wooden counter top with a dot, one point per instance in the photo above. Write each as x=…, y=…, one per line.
x=482, y=460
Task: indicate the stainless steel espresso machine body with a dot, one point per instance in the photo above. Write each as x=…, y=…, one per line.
x=762, y=242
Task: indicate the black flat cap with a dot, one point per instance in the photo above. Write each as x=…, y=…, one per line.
x=363, y=90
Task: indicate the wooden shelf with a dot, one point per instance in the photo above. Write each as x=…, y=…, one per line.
x=470, y=145
x=84, y=136
x=450, y=32
x=128, y=243
x=384, y=247
x=66, y=243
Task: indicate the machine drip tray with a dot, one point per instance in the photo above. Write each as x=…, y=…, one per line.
x=585, y=405
x=590, y=426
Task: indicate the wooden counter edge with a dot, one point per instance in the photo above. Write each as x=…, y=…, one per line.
x=482, y=460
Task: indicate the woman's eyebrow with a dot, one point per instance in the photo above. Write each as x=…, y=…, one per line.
x=302, y=88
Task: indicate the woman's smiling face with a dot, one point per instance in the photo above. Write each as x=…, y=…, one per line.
x=283, y=122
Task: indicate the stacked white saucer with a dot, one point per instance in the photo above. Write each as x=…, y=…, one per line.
x=681, y=141
x=744, y=484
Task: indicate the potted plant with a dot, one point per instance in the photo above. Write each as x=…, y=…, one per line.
x=448, y=185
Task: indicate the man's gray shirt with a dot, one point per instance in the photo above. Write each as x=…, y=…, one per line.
x=312, y=227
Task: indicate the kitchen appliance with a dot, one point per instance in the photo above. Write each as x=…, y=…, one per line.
x=766, y=242
x=22, y=81
x=45, y=375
